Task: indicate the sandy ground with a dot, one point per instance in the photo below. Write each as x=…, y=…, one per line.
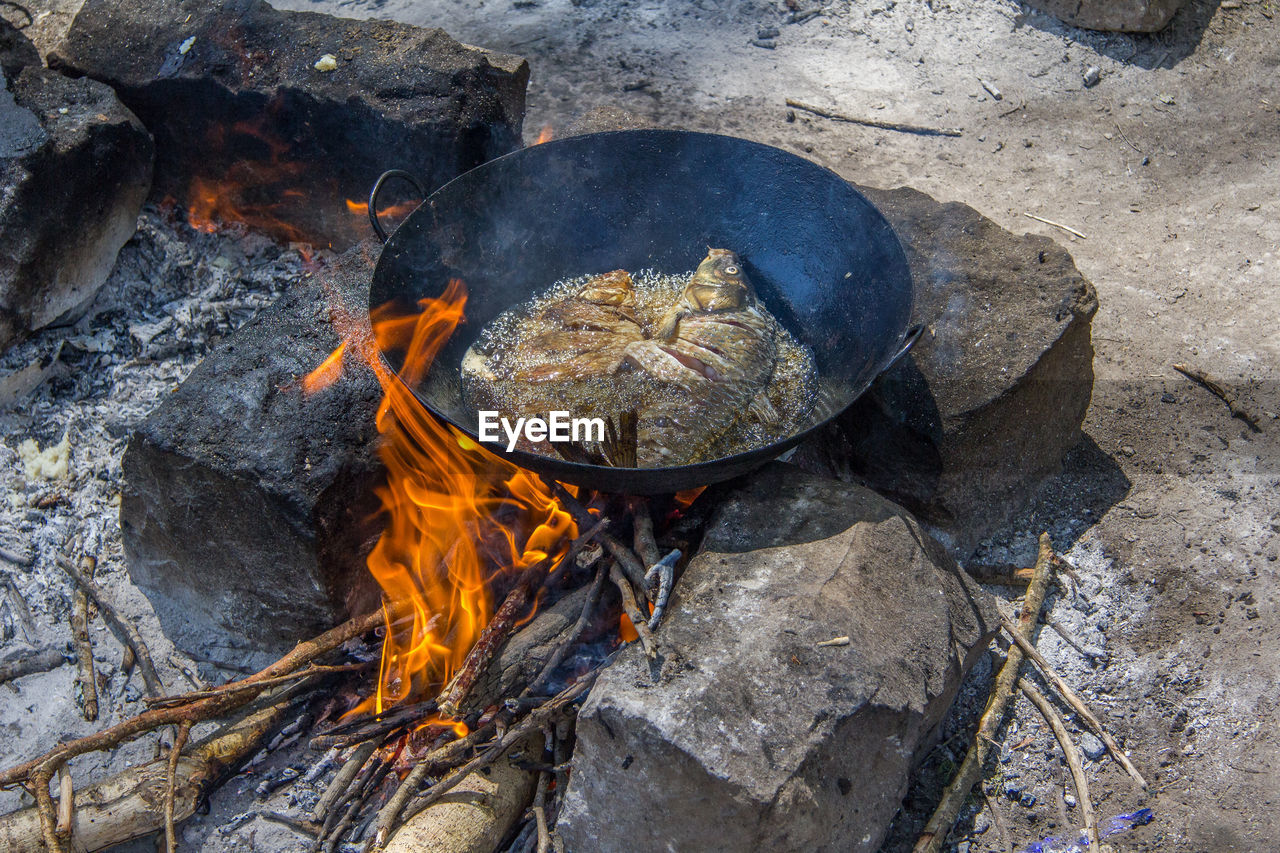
x=1169, y=508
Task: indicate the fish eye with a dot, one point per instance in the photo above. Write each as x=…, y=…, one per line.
x=731, y=270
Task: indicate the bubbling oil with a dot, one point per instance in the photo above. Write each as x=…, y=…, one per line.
x=505, y=349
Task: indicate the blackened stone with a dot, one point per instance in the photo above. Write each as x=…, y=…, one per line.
x=964, y=430
x=1131, y=16
x=247, y=506
x=752, y=736
x=16, y=50
x=248, y=128
x=75, y=167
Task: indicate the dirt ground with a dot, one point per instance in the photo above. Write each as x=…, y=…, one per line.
x=1169, y=508
x=1168, y=166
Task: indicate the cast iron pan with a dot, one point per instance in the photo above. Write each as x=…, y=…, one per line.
x=822, y=258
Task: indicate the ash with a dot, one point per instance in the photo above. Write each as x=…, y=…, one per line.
x=76, y=394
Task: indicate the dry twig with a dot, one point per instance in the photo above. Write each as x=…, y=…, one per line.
x=341, y=783
x=944, y=816
x=42, y=661
x=1066, y=228
x=901, y=127
x=121, y=627
x=540, y=799
x=631, y=564
x=84, y=645
x=1069, y=695
x=1233, y=404
x=170, y=782
x=66, y=803
x=1054, y=719
x=226, y=699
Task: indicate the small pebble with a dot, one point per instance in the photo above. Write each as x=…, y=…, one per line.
x=1092, y=76
x=1027, y=801
x=326, y=63
x=1092, y=748
x=768, y=33
x=767, y=44
x=1070, y=800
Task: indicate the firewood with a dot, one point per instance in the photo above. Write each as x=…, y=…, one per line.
x=1069, y=751
x=944, y=816
x=84, y=645
x=478, y=813
x=633, y=611
x=121, y=627
x=491, y=638
x=42, y=661
x=131, y=804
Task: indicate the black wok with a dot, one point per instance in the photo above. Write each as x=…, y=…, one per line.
x=823, y=259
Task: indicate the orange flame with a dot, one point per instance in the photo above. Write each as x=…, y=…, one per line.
x=544, y=135
x=457, y=515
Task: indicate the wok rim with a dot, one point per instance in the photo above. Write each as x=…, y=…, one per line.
x=668, y=479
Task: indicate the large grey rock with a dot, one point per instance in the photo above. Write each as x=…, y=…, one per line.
x=753, y=737
x=247, y=503
x=247, y=128
x=75, y=167
x=1139, y=16
x=964, y=430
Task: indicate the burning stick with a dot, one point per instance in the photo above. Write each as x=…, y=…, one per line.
x=633, y=611
x=493, y=636
x=645, y=544
x=368, y=727
x=588, y=607
x=120, y=627
x=624, y=555
x=341, y=783
x=445, y=756
x=1054, y=719
x=536, y=719
x=84, y=646
x=665, y=570
x=953, y=798
x=1072, y=699
x=540, y=798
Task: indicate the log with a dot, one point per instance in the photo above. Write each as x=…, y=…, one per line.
x=477, y=814
x=131, y=804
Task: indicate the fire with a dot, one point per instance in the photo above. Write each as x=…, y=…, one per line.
x=544, y=135
x=394, y=211
x=457, y=515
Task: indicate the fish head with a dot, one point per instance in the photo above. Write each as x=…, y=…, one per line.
x=719, y=284
x=611, y=288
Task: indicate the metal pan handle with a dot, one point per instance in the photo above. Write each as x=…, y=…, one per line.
x=377, y=188
x=908, y=341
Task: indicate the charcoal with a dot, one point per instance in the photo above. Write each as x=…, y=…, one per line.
x=752, y=735
x=1128, y=16
x=251, y=127
x=16, y=50
x=247, y=508
x=75, y=167
x=964, y=430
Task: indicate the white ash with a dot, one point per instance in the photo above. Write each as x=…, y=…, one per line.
x=174, y=292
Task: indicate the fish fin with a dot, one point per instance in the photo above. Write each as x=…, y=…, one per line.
x=763, y=410
x=670, y=324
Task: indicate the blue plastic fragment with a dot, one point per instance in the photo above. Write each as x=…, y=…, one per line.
x=1080, y=844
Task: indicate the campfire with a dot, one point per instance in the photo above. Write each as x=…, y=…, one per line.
x=501, y=648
